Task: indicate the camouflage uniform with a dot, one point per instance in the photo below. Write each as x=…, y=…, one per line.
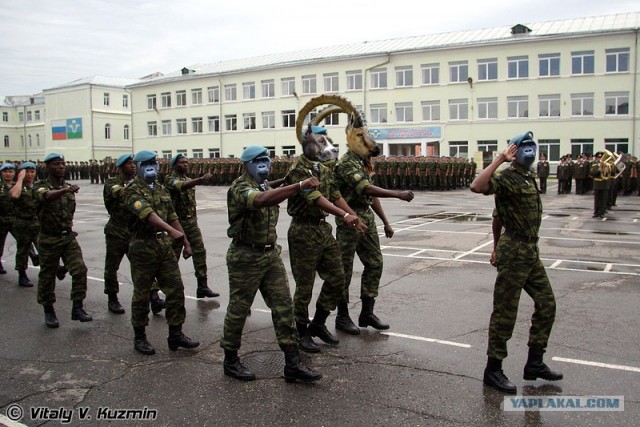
x=26, y=226
x=254, y=263
x=6, y=216
x=151, y=254
x=117, y=234
x=519, y=210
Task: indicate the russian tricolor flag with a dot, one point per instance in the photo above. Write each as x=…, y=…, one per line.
x=59, y=129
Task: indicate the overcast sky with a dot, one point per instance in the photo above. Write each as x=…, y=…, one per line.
x=46, y=43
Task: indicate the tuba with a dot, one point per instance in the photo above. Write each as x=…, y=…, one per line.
x=614, y=163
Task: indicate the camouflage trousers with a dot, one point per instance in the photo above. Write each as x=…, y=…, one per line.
x=5, y=228
x=251, y=271
x=519, y=267
x=312, y=248
x=51, y=249
x=367, y=246
x=117, y=248
x=153, y=258
x=26, y=234
x=194, y=236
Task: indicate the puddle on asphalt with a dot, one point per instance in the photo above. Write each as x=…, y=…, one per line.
x=611, y=233
x=558, y=215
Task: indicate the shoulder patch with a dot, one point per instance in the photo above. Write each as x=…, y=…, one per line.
x=357, y=177
x=137, y=204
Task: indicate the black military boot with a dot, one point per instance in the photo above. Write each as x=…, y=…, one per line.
x=203, y=290
x=61, y=272
x=140, y=343
x=178, y=339
x=317, y=328
x=233, y=367
x=23, y=280
x=536, y=368
x=2, y=270
x=50, y=318
x=295, y=370
x=157, y=303
x=344, y=322
x=78, y=313
x=305, y=342
x=367, y=318
x=35, y=258
x=114, y=305
x=495, y=377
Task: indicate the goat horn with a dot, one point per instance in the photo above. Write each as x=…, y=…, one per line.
x=345, y=106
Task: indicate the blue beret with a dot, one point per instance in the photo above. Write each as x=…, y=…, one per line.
x=27, y=165
x=252, y=152
x=173, y=160
x=123, y=159
x=519, y=139
x=53, y=156
x=145, y=156
x=7, y=165
x=318, y=130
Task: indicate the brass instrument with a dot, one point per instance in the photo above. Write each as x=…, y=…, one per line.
x=613, y=164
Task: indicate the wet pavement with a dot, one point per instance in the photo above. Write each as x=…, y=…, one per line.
x=436, y=293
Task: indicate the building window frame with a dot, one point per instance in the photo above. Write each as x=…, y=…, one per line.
x=517, y=107
x=181, y=98
x=268, y=88
x=458, y=109
x=487, y=69
x=288, y=118
x=487, y=108
x=549, y=105
x=166, y=99
x=430, y=111
x=196, y=96
x=518, y=67
x=582, y=63
x=617, y=60
x=404, y=112
x=549, y=65
x=248, y=90
x=616, y=103
x=354, y=80
x=404, y=76
x=152, y=128
x=309, y=84
x=582, y=105
x=213, y=94
x=458, y=72
x=379, y=79
x=181, y=126
x=430, y=74
x=268, y=120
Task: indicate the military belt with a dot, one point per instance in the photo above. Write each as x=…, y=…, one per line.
x=54, y=233
x=257, y=248
x=158, y=235
x=309, y=221
x=521, y=237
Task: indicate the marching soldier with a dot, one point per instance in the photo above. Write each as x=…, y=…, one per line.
x=7, y=215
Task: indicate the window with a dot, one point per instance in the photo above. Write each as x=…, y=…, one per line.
x=404, y=76
x=354, y=80
x=105, y=99
x=550, y=148
x=488, y=145
x=125, y=134
x=582, y=104
x=404, y=112
x=487, y=69
x=20, y=116
x=6, y=141
x=268, y=120
x=166, y=154
x=231, y=122
x=213, y=94
x=549, y=106
x=214, y=153
x=459, y=149
x=196, y=96
x=166, y=127
x=517, y=106
x=29, y=116
x=37, y=115
x=579, y=146
x=196, y=124
x=151, y=102
x=288, y=118
x=458, y=72
x=213, y=124
x=249, y=120
x=181, y=98
x=152, y=128
x=125, y=101
x=431, y=111
x=518, y=67
x=378, y=113
x=181, y=126
x=430, y=74
x=582, y=62
x=268, y=89
x=197, y=153
x=617, y=145
x=379, y=78
x=166, y=99
x=332, y=119
x=617, y=103
x=289, y=150
x=230, y=93
x=182, y=151
x=331, y=82
x=5, y=116
x=309, y=84
x=549, y=64
x=249, y=90
x=288, y=86
x=458, y=109
x=107, y=131
x=487, y=108
x=617, y=60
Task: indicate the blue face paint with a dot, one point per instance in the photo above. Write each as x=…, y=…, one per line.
x=258, y=168
x=526, y=153
x=148, y=171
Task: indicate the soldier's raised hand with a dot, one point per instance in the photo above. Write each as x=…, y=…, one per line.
x=309, y=183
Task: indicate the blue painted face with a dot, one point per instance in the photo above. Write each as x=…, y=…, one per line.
x=526, y=154
x=259, y=168
x=148, y=171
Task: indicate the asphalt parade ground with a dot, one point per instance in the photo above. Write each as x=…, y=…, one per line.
x=436, y=292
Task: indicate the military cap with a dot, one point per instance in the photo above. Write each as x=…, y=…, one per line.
x=252, y=152
x=318, y=130
x=145, y=156
x=123, y=159
x=53, y=156
x=523, y=137
x=177, y=157
x=599, y=154
x=27, y=165
x=7, y=165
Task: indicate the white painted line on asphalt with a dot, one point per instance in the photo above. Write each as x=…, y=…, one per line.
x=608, y=267
x=574, y=218
x=635, y=220
x=473, y=250
x=6, y=421
x=544, y=217
x=433, y=340
x=555, y=264
x=598, y=364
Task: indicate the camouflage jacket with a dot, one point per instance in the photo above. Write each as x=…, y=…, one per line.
x=26, y=208
x=184, y=201
x=119, y=215
x=57, y=214
x=6, y=206
x=302, y=205
x=351, y=178
x=142, y=201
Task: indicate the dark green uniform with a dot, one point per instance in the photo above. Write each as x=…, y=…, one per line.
x=543, y=173
x=57, y=240
x=26, y=225
x=116, y=231
x=6, y=215
x=519, y=210
x=254, y=263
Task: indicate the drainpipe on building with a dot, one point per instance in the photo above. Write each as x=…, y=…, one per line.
x=634, y=146
x=93, y=149
x=24, y=130
x=131, y=119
